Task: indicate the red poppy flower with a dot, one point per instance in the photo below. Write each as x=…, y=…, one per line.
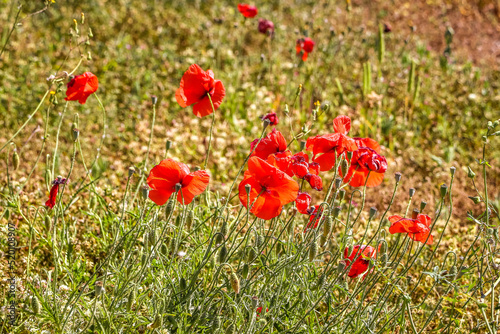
x=272, y=117
x=315, y=216
x=51, y=202
x=362, y=254
x=273, y=143
x=303, y=202
x=366, y=163
x=282, y=161
x=259, y=310
x=306, y=45
x=314, y=181
x=417, y=229
x=81, y=87
x=196, y=87
x=164, y=176
x=270, y=189
x=247, y=10
x=342, y=124
x=266, y=27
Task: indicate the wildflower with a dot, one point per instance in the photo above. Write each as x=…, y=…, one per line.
x=168, y=174
x=197, y=88
x=272, y=117
x=315, y=215
x=271, y=189
x=259, y=310
x=247, y=10
x=332, y=145
x=51, y=202
x=273, y=143
x=367, y=167
x=314, y=181
x=303, y=202
x=305, y=45
x=81, y=87
x=417, y=227
x=362, y=254
x=266, y=27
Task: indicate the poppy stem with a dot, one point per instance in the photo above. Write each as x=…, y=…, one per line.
x=150, y=137
x=211, y=130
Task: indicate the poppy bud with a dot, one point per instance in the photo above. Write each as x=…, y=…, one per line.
x=35, y=305
x=178, y=187
x=245, y=271
x=342, y=195
x=475, y=199
x=302, y=145
x=327, y=226
x=349, y=155
x=443, y=190
x=259, y=241
x=189, y=220
x=154, y=99
x=291, y=228
x=157, y=322
x=383, y=259
x=349, y=250
x=338, y=182
x=169, y=208
x=248, y=188
x=414, y=214
x=255, y=302
x=235, y=282
x=99, y=288
x=422, y=205
x=397, y=176
x=412, y=192
x=322, y=240
x=373, y=212
x=383, y=246
x=15, y=160
x=470, y=173
x=336, y=211
x=183, y=284
x=344, y=167
x=340, y=267
x=452, y=170
x=222, y=254
x=313, y=251
x=251, y=255
x=266, y=123
x=76, y=134
x=145, y=192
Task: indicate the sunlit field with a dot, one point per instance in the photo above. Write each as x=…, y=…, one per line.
x=279, y=166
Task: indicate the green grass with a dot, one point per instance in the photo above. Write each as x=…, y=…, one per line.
x=428, y=112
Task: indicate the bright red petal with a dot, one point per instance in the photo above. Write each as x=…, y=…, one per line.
x=342, y=124
x=193, y=185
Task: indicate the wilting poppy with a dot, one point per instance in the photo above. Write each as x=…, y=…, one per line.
x=314, y=181
x=197, y=88
x=247, y=10
x=366, y=163
x=51, y=202
x=417, y=228
x=270, y=189
x=163, y=178
x=306, y=45
x=303, y=202
x=266, y=27
x=273, y=143
x=362, y=254
x=332, y=145
x=272, y=117
x=81, y=87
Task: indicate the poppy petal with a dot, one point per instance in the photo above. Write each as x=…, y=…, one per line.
x=193, y=185
x=342, y=124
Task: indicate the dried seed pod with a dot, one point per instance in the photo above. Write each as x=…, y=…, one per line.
x=235, y=282
x=313, y=251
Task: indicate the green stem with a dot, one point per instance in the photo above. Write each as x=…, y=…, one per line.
x=211, y=130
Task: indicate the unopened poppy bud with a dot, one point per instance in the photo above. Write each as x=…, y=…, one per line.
x=145, y=192
x=341, y=195
x=349, y=155
x=222, y=254
x=327, y=226
x=470, y=173
x=302, y=145
x=255, y=302
x=313, y=251
x=266, y=123
x=154, y=99
x=35, y=305
x=340, y=267
x=344, y=167
x=76, y=134
x=99, y=288
x=373, y=212
x=412, y=192
x=336, y=211
x=169, y=209
x=178, y=187
x=383, y=246
x=189, y=220
x=235, y=282
x=349, y=250
x=338, y=182
x=397, y=176
x=443, y=190
x=322, y=240
x=157, y=322
x=131, y=171
x=414, y=214
x=423, y=204
x=452, y=170
x=168, y=145
x=183, y=284
x=15, y=160
x=259, y=240
x=475, y=199
x=245, y=270
x=251, y=255
x=248, y=188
